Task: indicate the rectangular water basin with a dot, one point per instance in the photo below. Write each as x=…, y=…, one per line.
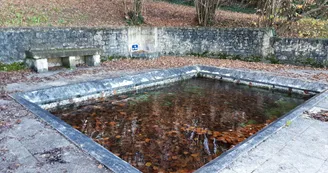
x=181, y=127
x=197, y=122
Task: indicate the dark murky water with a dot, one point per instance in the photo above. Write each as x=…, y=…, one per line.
x=181, y=127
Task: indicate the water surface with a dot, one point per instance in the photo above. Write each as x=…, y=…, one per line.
x=181, y=127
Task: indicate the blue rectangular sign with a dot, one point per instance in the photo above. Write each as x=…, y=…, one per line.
x=135, y=47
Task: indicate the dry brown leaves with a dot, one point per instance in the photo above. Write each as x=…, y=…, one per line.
x=102, y=13
x=321, y=116
x=129, y=65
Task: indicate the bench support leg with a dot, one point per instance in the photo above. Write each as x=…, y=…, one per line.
x=40, y=65
x=93, y=60
x=69, y=62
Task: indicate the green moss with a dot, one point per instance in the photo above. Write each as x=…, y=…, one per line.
x=12, y=67
x=325, y=63
x=236, y=57
x=251, y=122
x=142, y=98
x=282, y=106
x=252, y=59
x=180, y=2
x=194, y=90
x=112, y=58
x=306, y=61
x=272, y=59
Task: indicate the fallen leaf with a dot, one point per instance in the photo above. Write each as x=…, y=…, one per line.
x=112, y=123
x=216, y=134
x=194, y=155
x=76, y=127
x=148, y=164
x=123, y=113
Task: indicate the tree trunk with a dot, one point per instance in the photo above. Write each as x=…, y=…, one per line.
x=205, y=10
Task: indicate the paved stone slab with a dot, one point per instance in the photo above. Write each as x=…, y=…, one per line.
x=301, y=147
x=252, y=160
x=323, y=104
x=290, y=161
x=43, y=142
x=228, y=171
x=324, y=167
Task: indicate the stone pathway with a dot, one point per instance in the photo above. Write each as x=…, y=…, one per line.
x=29, y=145
x=32, y=146
x=301, y=147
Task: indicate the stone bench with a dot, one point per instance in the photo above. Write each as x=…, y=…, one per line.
x=38, y=59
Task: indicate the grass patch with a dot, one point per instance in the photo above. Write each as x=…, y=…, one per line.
x=272, y=59
x=12, y=67
x=18, y=17
x=239, y=9
x=180, y=2
x=112, y=58
x=13, y=15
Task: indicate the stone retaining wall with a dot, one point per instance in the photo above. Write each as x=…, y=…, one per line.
x=164, y=41
x=241, y=41
x=15, y=41
x=298, y=51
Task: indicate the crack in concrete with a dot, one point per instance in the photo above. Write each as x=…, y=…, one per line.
x=321, y=165
x=295, y=168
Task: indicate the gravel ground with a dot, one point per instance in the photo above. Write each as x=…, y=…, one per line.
x=26, y=143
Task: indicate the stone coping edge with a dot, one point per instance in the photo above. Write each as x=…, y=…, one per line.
x=33, y=101
x=107, y=87
x=263, y=78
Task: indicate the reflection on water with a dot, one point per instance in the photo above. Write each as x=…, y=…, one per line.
x=181, y=127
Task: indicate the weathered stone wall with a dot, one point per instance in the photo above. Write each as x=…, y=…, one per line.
x=295, y=51
x=166, y=41
x=241, y=41
x=15, y=41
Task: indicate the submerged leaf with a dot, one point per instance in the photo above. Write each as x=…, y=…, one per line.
x=148, y=164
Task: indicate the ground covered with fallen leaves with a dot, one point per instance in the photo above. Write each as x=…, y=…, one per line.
x=306, y=73
x=98, y=13
x=111, y=13
x=321, y=116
